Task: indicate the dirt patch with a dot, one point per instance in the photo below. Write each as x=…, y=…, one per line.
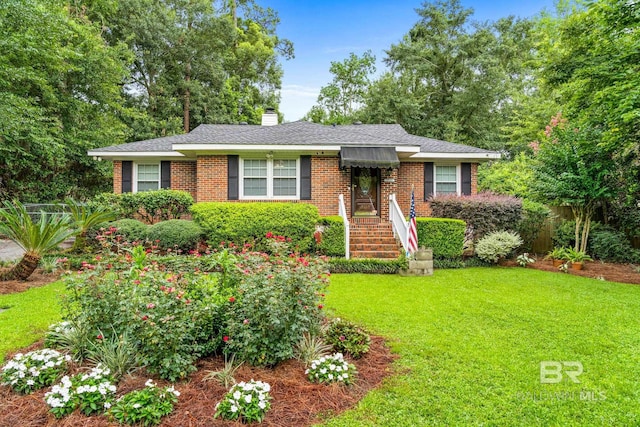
x=37, y=279
x=623, y=273
x=296, y=401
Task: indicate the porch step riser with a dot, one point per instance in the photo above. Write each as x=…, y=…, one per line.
x=375, y=254
x=373, y=241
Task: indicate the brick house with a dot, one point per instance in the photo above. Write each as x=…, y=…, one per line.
x=302, y=162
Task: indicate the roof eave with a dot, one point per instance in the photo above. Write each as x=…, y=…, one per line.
x=486, y=156
x=116, y=155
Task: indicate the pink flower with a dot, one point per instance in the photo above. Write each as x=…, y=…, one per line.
x=320, y=306
x=232, y=299
x=151, y=305
x=269, y=235
x=245, y=321
x=342, y=338
x=225, y=338
x=99, y=337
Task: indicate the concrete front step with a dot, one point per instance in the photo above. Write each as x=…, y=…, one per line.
x=373, y=240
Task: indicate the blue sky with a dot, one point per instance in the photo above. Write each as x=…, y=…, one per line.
x=328, y=30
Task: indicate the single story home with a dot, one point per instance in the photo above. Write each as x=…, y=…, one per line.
x=361, y=165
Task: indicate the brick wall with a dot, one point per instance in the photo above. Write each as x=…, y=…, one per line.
x=327, y=182
x=212, y=179
x=474, y=178
x=412, y=173
x=183, y=177
x=117, y=176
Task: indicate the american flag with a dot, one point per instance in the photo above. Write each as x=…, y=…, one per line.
x=412, y=241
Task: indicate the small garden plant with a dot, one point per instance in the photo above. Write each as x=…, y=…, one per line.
x=331, y=369
x=246, y=401
x=26, y=373
x=145, y=407
x=347, y=337
x=92, y=392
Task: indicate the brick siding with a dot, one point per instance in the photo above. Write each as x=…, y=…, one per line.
x=117, y=176
x=183, y=177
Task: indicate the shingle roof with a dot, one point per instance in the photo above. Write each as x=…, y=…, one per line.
x=295, y=133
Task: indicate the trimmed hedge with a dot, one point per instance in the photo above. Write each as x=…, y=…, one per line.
x=175, y=234
x=485, y=212
x=444, y=235
x=242, y=223
x=368, y=265
x=332, y=243
x=131, y=229
x=148, y=205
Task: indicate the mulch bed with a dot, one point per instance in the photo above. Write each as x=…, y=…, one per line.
x=37, y=279
x=296, y=401
x=623, y=273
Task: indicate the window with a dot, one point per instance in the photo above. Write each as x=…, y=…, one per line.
x=269, y=178
x=148, y=177
x=446, y=179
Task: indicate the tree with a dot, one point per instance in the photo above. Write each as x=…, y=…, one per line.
x=59, y=96
x=36, y=238
x=573, y=168
x=457, y=78
x=341, y=98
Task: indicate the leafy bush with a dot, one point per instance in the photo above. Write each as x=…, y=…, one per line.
x=277, y=301
x=564, y=234
x=160, y=204
x=533, y=217
x=175, y=234
x=92, y=392
x=242, y=223
x=347, y=337
x=445, y=236
x=131, y=230
x=331, y=369
x=498, y=245
x=613, y=246
x=367, y=265
x=145, y=407
x=332, y=237
x=446, y=263
x=174, y=319
x=486, y=212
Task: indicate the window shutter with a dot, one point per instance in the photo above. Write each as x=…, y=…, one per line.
x=233, y=177
x=428, y=180
x=127, y=176
x=466, y=178
x=305, y=177
x=165, y=174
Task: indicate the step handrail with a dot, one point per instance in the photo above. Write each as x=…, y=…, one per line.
x=342, y=211
x=399, y=224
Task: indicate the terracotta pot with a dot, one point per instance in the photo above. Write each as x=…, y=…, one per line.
x=577, y=265
x=557, y=262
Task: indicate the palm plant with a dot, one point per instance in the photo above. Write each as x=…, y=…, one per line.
x=85, y=218
x=36, y=238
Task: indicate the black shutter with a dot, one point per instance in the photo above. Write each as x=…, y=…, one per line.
x=127, y=176
x=305, y=177
x=165, y=174
x=428, y=180
x=466, y=178
x=233, y=177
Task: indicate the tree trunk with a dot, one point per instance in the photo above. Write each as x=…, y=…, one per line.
x=187, y=98
x=23, y=269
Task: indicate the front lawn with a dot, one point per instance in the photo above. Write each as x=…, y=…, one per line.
x=471, y=342
x=25, y=316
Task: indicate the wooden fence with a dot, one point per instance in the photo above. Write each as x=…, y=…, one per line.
x=544, y=242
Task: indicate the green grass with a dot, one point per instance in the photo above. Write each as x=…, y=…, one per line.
x=471, y=341
x=27, y=316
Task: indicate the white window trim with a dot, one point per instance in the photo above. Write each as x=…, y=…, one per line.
x=458, y=177
x=134, y=183
x=269, y=195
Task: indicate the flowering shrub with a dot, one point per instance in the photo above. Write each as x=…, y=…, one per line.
x=347, y=337
x=331, y=369
x=173, y=318
x=26, y=373
x=92, y=393
x=278, y=299
x=245, y=401
x=146, y=406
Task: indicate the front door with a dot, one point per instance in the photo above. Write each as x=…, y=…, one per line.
x=365, y=185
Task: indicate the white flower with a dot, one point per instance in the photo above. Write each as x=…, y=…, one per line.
x=107, y=405
x=234, y=408
x=247, y=398
x=237, y=395
x=30, y=382
x=149, y=383
x=262, y=404
x=136, y=405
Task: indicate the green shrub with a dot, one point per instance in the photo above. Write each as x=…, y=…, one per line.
x=175, y=234
x=277, y=301
x=446, y=263
x=242, y=223
x=485, y=212
x=498, y=245
x=347, y=337
x=445, y=236
x=367, y=265
x=148, y=205
x=332, y=243
x=533, y=217
x=613, y=246
x=564, y=234
x=131, y=230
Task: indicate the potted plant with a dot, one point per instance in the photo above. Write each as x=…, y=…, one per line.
x=557, y=255
x=577, y=258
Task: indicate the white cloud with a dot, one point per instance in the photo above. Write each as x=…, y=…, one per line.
x=297, y=100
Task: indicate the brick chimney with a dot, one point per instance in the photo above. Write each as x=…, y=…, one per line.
x=270, y=117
